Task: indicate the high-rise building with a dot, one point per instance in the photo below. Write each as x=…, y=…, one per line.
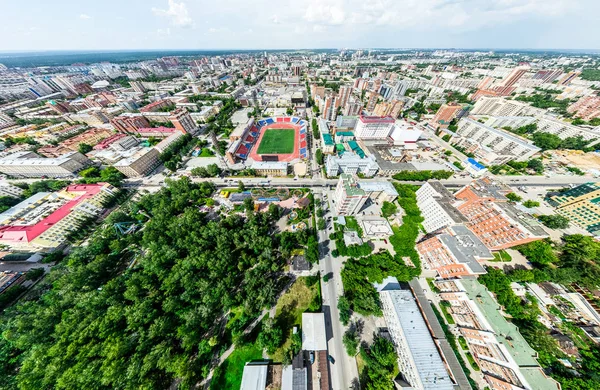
x=373, y=127
x=344, y=95
x=5, y=121
x=330, y=108
x=182, y=120
x=352, y=108
x=348, y=198
x=137, y=86
x=373, y=98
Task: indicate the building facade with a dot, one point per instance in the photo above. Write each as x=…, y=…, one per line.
x=348, y=198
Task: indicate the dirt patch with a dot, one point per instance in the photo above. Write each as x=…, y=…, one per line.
x=578, y=158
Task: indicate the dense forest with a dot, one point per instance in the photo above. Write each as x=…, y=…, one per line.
x=143, y=310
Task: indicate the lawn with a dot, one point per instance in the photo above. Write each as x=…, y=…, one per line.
x=277, y=141
x=502, y=256
x=304, y=295
x=228, y=376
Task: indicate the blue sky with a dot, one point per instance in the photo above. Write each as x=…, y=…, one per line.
x=275, y=24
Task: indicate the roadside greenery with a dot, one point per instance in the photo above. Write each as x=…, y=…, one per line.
x=388, y=209
x=380, y=365
x=405, y=236
x=422, y=175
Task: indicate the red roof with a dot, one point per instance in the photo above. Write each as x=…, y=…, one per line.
x=110, y=140
x=376, y=119
x=30, y=232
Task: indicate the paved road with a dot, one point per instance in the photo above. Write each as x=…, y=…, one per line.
x=344, y=371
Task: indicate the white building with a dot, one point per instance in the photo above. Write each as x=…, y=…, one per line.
x=29, y=164
x=348, y=198
x=373, y=127
x=497, y=106
x=435, y=203
x=351, y=163
x=492, y=146
x=565, y=130
x=7, y=189
x=419, y=360
x=144, y=161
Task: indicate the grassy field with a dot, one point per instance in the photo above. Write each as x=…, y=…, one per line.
x=277, y=141
x=228, y=376
x=302, y=296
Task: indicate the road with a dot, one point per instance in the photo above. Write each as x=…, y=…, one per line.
x=344, y=371
x=536, y=181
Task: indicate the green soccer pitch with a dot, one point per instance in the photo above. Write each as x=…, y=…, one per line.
x=277, y=141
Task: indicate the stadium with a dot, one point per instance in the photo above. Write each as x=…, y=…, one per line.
x=280, y=139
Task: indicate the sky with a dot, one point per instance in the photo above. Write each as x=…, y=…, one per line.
x=29, y=25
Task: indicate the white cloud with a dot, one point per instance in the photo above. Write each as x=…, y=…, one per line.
x=275, y=19
x=177, y=13
x=430, y=14
x=163, y=32
x=84, y=16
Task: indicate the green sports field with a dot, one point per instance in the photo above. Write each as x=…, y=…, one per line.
x=277, y=141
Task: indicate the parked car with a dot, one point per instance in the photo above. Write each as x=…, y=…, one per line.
x=331, y=359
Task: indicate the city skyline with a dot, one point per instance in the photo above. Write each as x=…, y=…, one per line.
x=173, y=24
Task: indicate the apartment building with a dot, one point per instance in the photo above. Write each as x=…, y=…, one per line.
x=498, y=106
x=166, y=142
x=492, y=146
x=6, y=121
x=158, y=105
x=565, y=130
x=327, y=142
x=348, y=198
x=506, y=360
x=494, y=220
x=373, y=127
x=130, y=123
x=437, y=207
x=182, y=120
x=29, y=164
x=419, y=360
x=586, y=108
x=455, y=252
x=351, y=163
x=581, y=205
x=143, y=162
x=46, y=219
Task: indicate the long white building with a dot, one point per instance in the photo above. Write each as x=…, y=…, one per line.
x=435, y=203
x=29, y=164
x=492, y=146
x=419, y=360
x=497, y=106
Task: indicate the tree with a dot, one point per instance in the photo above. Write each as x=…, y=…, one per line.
x=321, y=224
x=536, y=165
x=270, y=336
x=90, y=172
x=554, y=221
x=274, y=211
x=546, y=141
x=241, y=186
x=344, y=309
x=350, y=340
x=531, y=203
x=213, y=170
x=249, y=206
x=388, y=209
x=513, y=197
x=84, y=148
x=112, y=175
x=289, y=111
x=538, y=252
x=319, y=156
x=312, y=250
x=199, y=172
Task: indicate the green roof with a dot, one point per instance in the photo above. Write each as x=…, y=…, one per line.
x=508, y=335
x=344, y=133
x=327, y=139
x=356, y=149
x=350, y=185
